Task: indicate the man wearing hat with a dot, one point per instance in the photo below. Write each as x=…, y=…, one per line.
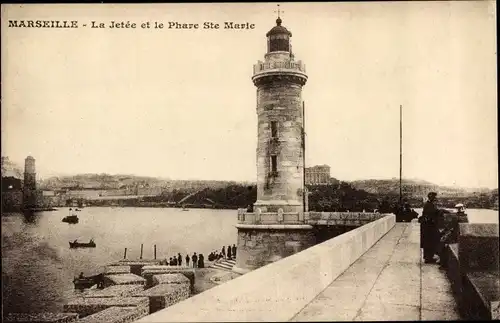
x=429, y=233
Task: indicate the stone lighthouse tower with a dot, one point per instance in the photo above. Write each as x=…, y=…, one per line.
x=29, y=188
x=279, y=80
x=276, y=228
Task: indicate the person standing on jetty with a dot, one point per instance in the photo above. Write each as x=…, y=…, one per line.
x=195, y=260
x=229, y=252
x=179, y=259
x=201, y=263
x=224, y=252
x=429, y=233
x=187, y=260
x=234, y=251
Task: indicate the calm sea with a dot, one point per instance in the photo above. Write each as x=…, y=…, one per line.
x=38, y=267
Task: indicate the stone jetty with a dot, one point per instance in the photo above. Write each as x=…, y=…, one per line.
x=149, y=271
x=85, y=306
x=113, y=270
x=164, y=295
x=40, y=317
x=115, y=291
x=132, y=290
x=473, y=270
x=114, y=315
x=136, y=265
x=170, y=279
x=123, y=279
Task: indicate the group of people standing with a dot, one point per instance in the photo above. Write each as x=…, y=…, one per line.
x=229, y=253
x=197, y=261
x=437, y=230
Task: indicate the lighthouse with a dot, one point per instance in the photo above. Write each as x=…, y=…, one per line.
x=279, y=80
x=29, y=189
x=276, y=227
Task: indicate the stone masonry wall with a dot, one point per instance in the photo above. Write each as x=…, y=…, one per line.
x=165, y=295
x=259, y=296
x=257, y=248
x=116, y=314
x=280, y=101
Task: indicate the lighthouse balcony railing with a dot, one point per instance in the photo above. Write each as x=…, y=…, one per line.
x=343, y=218
x=269, y=218
x=260, y=67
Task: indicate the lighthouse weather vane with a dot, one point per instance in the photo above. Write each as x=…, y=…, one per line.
x=279, y=11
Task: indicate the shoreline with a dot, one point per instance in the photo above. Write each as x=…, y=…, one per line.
x=56, y=208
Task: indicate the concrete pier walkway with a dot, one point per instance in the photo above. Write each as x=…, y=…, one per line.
x=389, y=282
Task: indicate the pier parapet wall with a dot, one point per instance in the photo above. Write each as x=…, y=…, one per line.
x=473, y=270
x=256, y=295
x=265, y=237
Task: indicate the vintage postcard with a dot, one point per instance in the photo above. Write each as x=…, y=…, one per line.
x=249, y=162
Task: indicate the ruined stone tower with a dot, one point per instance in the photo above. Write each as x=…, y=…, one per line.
x=276, y=228
x=29, y=187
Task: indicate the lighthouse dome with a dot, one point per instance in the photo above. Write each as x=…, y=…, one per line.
x=279, y=29
x=278, y=38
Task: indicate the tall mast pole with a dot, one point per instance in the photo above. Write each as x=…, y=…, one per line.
x=304, y=194
x=400, y=154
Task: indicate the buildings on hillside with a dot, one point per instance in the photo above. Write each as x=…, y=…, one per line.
x=318, y=175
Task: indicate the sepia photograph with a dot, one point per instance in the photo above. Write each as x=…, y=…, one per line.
x=249, y=162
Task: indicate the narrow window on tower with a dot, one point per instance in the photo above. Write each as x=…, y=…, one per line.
x=274, y=164
x=274, y=129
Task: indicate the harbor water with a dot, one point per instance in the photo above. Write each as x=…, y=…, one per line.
x=38, y=266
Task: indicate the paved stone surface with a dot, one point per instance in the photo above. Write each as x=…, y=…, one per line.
x=389, y=282
x=276, y=292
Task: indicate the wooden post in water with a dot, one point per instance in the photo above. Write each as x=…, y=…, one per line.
x=125, y=254
x=155, y=252
x=142, y=246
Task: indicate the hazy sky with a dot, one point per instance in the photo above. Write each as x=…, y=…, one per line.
x=181, y=103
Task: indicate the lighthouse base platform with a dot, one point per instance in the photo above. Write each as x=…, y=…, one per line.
x=262, y=244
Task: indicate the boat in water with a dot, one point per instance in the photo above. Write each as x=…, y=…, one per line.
x=83, y=282
x=76, y=244
x=72, y=219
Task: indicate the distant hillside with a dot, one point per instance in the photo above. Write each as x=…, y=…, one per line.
x=414, y=188
x=120, y=181
x=356, y=195
x=411, y=187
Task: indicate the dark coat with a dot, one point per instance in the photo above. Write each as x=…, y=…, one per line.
x=201, y=263
x=429, y=233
